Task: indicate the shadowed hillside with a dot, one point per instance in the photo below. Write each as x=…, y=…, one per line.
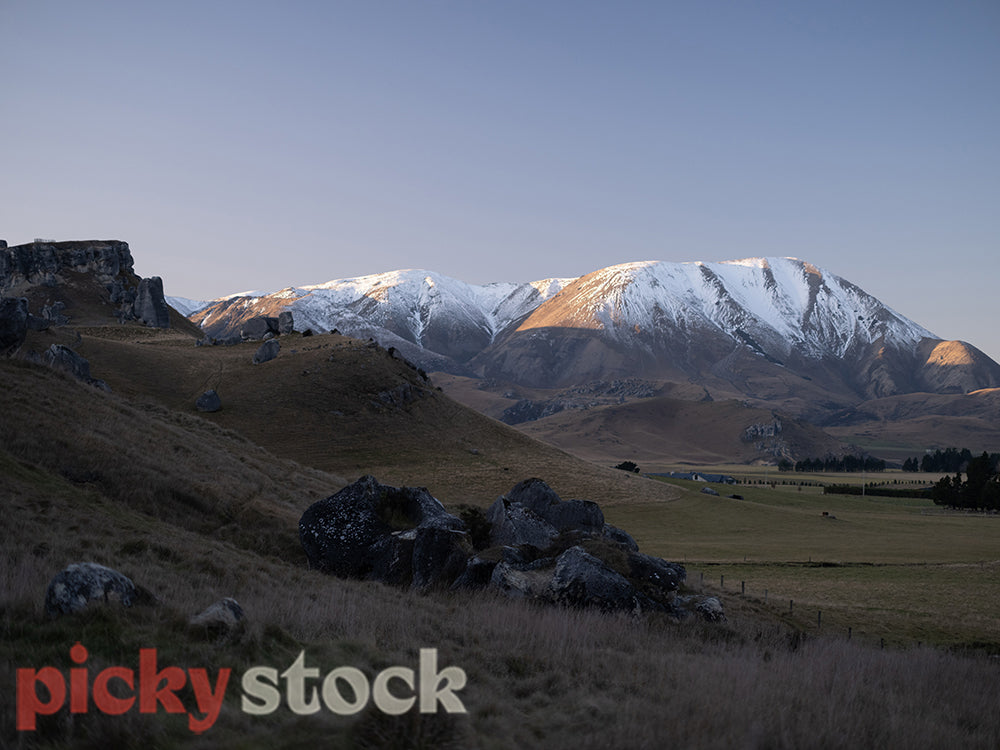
x=348, y=407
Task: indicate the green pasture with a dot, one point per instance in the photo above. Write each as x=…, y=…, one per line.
x=899, y=569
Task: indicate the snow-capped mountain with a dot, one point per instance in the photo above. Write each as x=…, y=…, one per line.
x=760, y=326
x=434, y=320
x=781, y=303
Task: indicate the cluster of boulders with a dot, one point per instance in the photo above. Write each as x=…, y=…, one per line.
x=81, y=584
x=530, y=544
x=259, y=328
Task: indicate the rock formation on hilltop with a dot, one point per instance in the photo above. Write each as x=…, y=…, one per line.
x=81, y=278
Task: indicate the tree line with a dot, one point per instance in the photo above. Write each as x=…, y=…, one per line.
x=947, y=461
x=841, y=463
x=979, y=491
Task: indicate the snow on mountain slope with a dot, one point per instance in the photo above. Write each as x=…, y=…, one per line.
x=780, y=303
x=185, y=306
x=423, y=308
x=756, y=326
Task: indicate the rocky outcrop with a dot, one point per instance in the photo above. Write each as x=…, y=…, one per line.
x=43, y=263
x=534, y=546
x=79, y=584
x=24, y=269
x=150, y=307
x=286, y=323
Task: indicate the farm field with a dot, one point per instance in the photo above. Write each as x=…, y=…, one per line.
x=899, y=570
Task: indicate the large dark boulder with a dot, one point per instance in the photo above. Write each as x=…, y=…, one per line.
x=582, y=580
x=393, y=534
x=258, y=328
x=535, y=495
x=150, y=306
x=209, y=401
x=563, y=515
x=286, y=323
x=661, y=577
x=576, y=515
x=13, y=323
x=79, y=584
x=620, y=537
x=514, y=524
x=266, y=352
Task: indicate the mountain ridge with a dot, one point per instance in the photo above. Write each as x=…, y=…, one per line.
x=770, y=328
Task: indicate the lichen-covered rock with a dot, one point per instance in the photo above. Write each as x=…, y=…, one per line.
x=393, y=534
x=209, y=401
x=662, y=576
x=710, y=608
x=79, y=584
x=267, y=351
x=582, y=580
x=286, y=322
x=513, y=524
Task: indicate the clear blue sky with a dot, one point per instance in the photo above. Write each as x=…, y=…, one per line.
x=248, y=145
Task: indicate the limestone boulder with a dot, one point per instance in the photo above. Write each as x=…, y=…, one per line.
x=150, y=306
x=80, y=584
x=209, y=401
x=266, y=352
x=400, y=535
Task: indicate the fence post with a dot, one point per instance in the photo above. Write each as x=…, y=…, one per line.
x=722, y=582
x=765, y=596
x=791, y=606
x=743, y=588
x=819, y=618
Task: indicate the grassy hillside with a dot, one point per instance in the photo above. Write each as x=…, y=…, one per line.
x=348, y=407
x=193, y=511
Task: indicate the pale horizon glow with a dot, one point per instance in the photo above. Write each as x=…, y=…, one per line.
x=254, y=145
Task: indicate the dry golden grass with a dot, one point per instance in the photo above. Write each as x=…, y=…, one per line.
x=333, y=403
